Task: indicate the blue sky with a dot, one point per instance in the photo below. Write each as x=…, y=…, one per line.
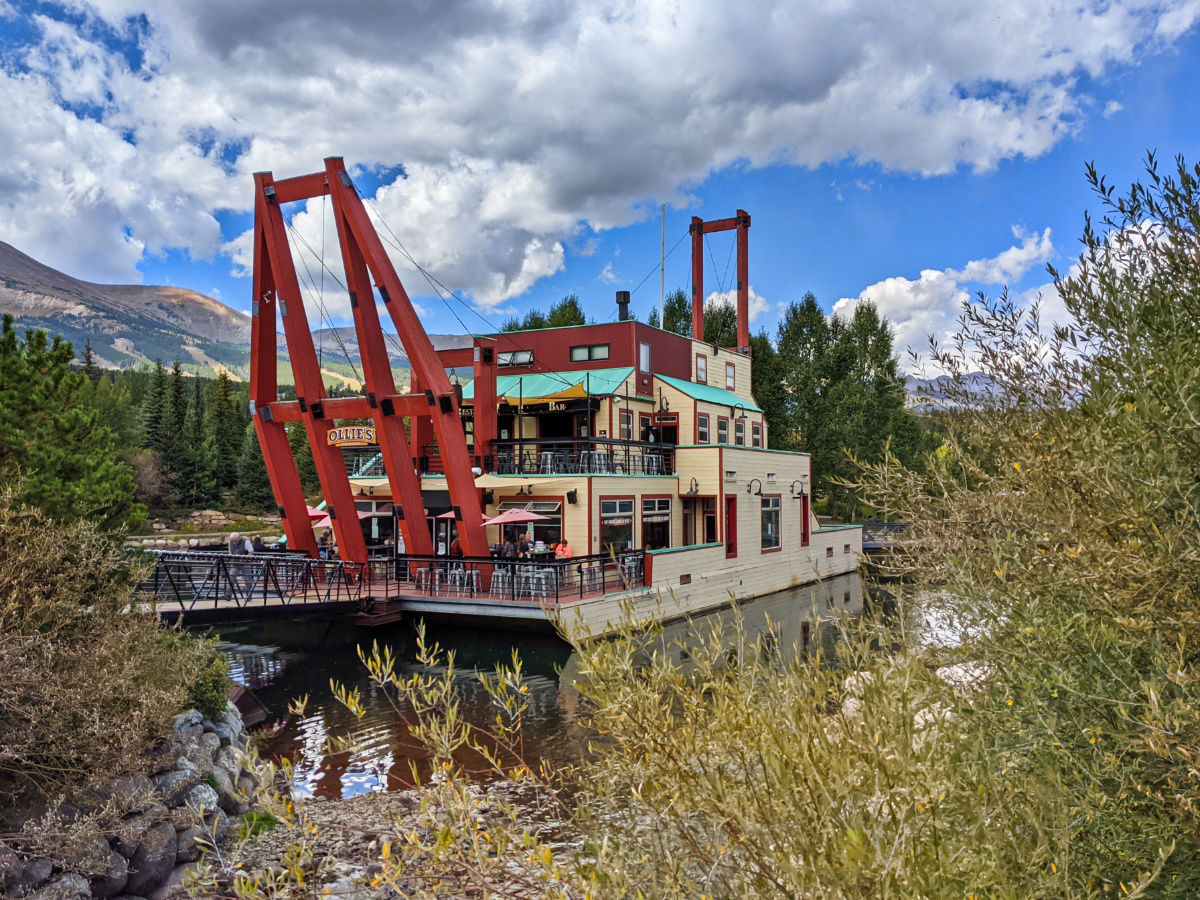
x=521, y=152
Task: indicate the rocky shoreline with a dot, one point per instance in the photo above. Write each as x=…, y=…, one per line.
x=137, y=837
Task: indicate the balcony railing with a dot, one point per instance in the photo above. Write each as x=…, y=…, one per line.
x=582, y=456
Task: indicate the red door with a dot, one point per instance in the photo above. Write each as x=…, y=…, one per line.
x=730, y=525
x=804, y=529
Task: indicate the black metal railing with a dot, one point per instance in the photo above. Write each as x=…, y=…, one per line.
x=199, y=580
x=583, y=456
x=876, y=535
x=220, y=580
x=526, y=580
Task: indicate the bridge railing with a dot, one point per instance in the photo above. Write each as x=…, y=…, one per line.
x=881, y=534
x=199, y=580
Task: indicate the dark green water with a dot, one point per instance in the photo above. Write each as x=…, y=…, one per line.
x=283, y=660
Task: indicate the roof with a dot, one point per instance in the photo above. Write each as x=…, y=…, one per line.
x=542, y=386
x=708, y=393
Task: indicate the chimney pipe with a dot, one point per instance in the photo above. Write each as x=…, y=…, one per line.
x=623, y=306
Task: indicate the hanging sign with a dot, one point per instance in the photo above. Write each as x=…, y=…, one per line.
x=351, y=436
x=656, y=518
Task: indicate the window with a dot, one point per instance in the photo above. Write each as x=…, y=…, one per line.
x=829, y=553
x=548, y=531
x=730, y=376
x=702, y=369
x=702, y=429
x=616, y=525
x=845, y=548
x=756, y=434
x=515, y=358
x=589, y=351
x=644, y=358
x=770, y=523
x=656, y=523
x=626, y=419
x=710, y=520
x=722, y=430
x=739, y=433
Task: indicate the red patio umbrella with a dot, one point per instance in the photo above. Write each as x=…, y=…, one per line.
x=326, y=522
x=314, y=513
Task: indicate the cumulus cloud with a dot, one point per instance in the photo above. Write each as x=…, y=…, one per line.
x=519, y=125
x=606, y=274
x=756, y=305
x=1111, y=108
x=928, y=305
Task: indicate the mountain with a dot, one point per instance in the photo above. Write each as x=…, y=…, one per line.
x=131, y=324
x=128, y=323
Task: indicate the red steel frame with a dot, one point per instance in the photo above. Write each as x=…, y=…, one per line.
x=699, y=228
x=276, y=285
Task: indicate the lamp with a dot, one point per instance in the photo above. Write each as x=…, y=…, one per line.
x=736, y=407
x=693, y=488
x=361, y=493
x=750, y=487
x=572, y=497
x=663, y=405
x=799, y=481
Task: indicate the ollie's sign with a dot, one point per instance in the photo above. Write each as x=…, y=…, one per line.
x=352, y=436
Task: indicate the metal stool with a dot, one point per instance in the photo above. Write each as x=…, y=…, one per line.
x=501, y=578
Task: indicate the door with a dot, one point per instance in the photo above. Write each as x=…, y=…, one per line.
x=804, y=527
x=645, y=379
x=689, y=521
x=730, y=525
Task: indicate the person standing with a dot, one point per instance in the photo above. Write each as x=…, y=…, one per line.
x=455, y=545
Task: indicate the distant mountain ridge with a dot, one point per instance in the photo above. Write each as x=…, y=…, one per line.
x=131, y=324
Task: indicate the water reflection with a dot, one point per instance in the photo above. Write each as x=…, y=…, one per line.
x=281, y=661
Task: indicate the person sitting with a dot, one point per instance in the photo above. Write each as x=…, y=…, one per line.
x=526, y=546
x=563, y=550
x=258, y=545
x=509, y=550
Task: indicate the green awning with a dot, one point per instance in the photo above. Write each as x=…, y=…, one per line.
x=541, y=387
x=708, y=394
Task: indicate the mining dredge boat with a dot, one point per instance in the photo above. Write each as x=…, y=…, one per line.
x=643, y=450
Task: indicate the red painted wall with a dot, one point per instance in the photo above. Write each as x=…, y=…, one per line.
x=670, y=354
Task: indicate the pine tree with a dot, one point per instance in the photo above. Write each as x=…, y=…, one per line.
x=302, y=453
x=225, y=429
x=55, y=447
x=154, y=408
x=195, y=480
x=172, y=444
x=677, y=313
x=254, y=485
x=90, y=369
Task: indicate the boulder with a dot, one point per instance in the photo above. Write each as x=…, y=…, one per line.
x=202, y=797
x=153, y=860
x=224, y=733
x=232, y=719
x=191, y=843
x=173, y=787
x=162, y=757
x=112, y=881
x=227, y=798
x=11, y=869
x=217, y=824
x=200, y=755
x=66, y=887
x=175, y=887
x=210, y=742
x=34, y=872
x=228, y=762
x=208, y=725
x=188, y=724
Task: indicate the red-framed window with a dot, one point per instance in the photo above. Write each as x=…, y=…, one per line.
x=771, y=523
x=645, y=423
x=739, y=433
x=616, y=522
x=730, y=377
x=756, y=435
x=625, y=421
x=656, y=521
x=722, y=430
x=701, y=368
x=702, y=428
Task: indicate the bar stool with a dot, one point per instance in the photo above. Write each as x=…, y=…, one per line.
x=501, y=579
x=591, y=578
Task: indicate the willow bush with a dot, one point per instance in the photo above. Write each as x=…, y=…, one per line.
x=1025, y=725
x=87, y=682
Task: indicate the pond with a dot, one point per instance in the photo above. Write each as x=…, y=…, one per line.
x=286, y=659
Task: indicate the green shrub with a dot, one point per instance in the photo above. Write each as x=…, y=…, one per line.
x=256, y=822
x=209, y=687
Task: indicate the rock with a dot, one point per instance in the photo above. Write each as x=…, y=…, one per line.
x=65, y=887
x=217, y=824
x=227, y=760
x=200, y=755
x=175, y=885
x=35, y=872
x=232, y=719
x=208, y=725
x=190, y=844
x=202, y=797
x=225, y=733
x=227, y=798
x=162, y=757
x=172, y=787
x=188, y=724
x=10, y=869
x=210, y=742
x=112, y=881
x=153, y=860
x=247, y=785
x=128, y=790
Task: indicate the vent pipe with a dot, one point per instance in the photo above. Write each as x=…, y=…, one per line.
x=623, y=306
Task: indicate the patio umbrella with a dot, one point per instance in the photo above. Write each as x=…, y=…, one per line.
x=314, y=513
x=326, y=522
x=446, y=515
x=515, y=517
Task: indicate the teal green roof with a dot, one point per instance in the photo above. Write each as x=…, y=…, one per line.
x=556, y=385
x=708, y=394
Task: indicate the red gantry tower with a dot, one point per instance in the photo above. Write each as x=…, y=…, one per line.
x=368, y=270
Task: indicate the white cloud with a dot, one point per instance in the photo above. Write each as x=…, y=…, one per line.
x=756, y=305
x=515, y=122
x=930, y=304
x=1111, y=108
x=606, y=274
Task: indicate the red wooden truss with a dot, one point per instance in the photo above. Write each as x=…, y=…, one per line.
x=368, y=269
x=699, y=228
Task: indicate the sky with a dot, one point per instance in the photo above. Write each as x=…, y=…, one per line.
x=907, y=153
